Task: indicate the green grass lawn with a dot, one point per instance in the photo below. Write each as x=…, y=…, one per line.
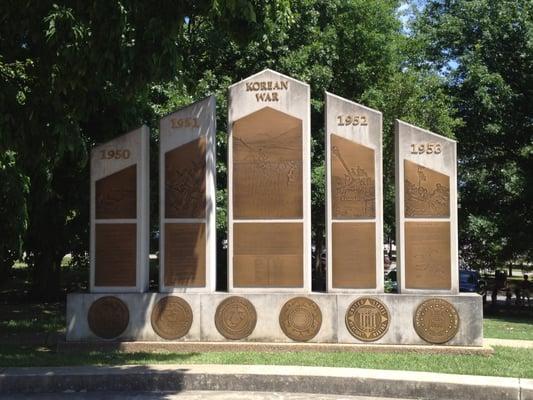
x=508, y=327
x=505, y=361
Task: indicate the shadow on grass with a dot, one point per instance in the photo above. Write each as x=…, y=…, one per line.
x=46, y=356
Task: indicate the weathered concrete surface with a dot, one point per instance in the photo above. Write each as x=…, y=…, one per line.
x=333, y=307
x=257, y=378
x=202, y=347
x=189, y=395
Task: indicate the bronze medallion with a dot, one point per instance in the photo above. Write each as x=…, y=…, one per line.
x=235, y=318
x=367, y=319
x=171, y=317
x=108, y=317
x=300, y=319
x=436, y=321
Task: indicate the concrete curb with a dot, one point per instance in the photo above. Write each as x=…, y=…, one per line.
x=202, y=347
x=336, y=381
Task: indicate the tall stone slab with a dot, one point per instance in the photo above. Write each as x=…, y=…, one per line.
x=354, y=212
x=187, y=199
x=119, y=244
x=269, y=185
x=426, y=211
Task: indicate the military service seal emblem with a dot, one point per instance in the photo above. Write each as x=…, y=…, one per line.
x=367, y=319
x=235, y=318
x=436, y=321
x=300, y=319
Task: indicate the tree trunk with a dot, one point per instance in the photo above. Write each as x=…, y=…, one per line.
x=510, y=269
x=46, y=277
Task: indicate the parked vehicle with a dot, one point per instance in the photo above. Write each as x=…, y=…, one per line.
x=469, y=281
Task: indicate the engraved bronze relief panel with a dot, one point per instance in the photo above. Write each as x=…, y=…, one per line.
x=427, y=255
x=268, y=255
x=300, y=319
x=171, y=317
x=353, y=193
x=185, y=184
x=235, y=318
x=115, y=254
x=367, y=319
x=267, y=166
x=185, y=254
x=436, y=321
x=116, y=195
x=354, y=255
x=426, y=192
x=108, y=317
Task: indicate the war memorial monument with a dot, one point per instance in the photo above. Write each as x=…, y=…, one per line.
x=269, y=297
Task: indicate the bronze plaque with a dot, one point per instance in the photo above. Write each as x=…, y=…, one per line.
x=353, y=193
x=427, y=255
x=116, y=195
x=185, y=254
x=185, y=170
x=108, y=317
x=436, y=321
x=115, y=254
x=426, y=192
x=171, y=317
x=268, y=255
x=354, y=255
x=300, y=319
x=235, y=318
x=267, y=166
x=367, y=319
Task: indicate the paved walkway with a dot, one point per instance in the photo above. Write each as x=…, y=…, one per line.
x=508, y=343
x=189, y=395
x=324, y=382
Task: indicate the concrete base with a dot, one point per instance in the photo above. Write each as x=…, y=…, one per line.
x=265, y=378
x=268, y=306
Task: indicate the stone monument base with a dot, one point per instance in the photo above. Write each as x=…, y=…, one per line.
x=380, y=319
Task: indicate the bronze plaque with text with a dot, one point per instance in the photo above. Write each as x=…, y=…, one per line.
x=267, y=165
x=115, y=254
x=427, y=255
x=185, y=169
x=427, y=192
x=354, y=255
x=353, y=192
x=185, y=254
x=116, y=195
x=268, y=255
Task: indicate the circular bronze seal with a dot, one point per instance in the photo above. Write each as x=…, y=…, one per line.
x=171, y=317
x=108, y=317
x=300, y=319
x=436, y=321
x=235, y=318
x=367, y=319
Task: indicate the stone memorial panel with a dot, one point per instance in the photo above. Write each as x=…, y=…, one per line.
x=426, y=211
x=187, y=195
x=354, y=216
x=120, y=214
x=354, y=255
x=427, y=255
x=269, y=184
x=268, y=255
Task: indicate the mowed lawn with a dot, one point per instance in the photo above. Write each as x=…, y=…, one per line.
x=509, y=362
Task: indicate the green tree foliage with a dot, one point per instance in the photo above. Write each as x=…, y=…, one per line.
x=484, y=49
x=76, y=73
